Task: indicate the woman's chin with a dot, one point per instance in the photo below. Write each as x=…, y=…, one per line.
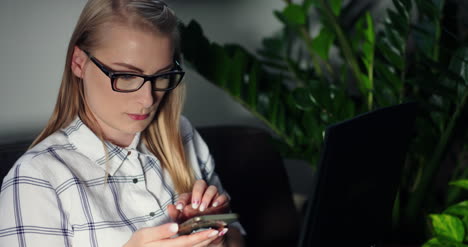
x=138, y=127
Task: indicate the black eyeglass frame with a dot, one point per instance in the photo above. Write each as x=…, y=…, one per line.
x=177, y=69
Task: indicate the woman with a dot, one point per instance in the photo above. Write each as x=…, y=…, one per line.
x=116, y=164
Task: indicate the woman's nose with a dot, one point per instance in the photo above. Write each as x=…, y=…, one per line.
x=146, y=95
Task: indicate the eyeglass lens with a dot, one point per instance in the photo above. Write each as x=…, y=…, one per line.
x=131, y=83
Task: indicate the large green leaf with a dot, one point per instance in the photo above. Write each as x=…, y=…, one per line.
x=237, y=72
x=459, y=209
x=303, y=99
x=394, y=59
x=281, y=118
x=448, y=227
x=222, y=66
x=462, y=183
x=366, y=36
x=395, y=39
x=401, y=8
x=366, y=83
x=294, y=14
x=436, y=242
x=459, y=66
x=400, y=24
x=306, y=4
x=335, y=6
x=407, y=3
x=322, y=43
x=275, y=101
x=425, y=38
x=369, y=32
x=389, y=77
x=251, y=98
x=272, y=48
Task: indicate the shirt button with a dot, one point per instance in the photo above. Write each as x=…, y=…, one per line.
x=152, y=214
x=135, y=180
x=129, y=152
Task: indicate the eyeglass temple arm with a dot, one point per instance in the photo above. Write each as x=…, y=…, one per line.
x=100, y=66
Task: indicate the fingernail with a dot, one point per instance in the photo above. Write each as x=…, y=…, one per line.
x=223, y=232
x=195, y=204
x=174, y=228
x=213, y=234
x=179, y=206
x=215, y=204
x=202, y=207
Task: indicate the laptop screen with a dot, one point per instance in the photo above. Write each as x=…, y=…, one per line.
x=358, y=176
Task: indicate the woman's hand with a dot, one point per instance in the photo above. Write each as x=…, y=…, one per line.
x=160, y=236
x=203, y=200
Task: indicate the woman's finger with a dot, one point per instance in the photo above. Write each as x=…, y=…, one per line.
x=184, y=199
x=208, y=196
x=215, y=240
x=206, y=243
x=220, y=238
x=220, y=200
x=202, y=238
x=197, y=193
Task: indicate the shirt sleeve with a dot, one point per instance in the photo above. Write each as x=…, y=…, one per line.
x=30, y=210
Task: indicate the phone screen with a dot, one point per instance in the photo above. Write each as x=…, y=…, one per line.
x=203, y=222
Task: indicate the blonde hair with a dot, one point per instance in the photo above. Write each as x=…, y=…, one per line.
x=162, y=136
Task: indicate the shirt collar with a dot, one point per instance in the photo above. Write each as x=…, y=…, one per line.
x=87, y=143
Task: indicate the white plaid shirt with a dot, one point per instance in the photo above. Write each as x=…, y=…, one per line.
x=56, y=194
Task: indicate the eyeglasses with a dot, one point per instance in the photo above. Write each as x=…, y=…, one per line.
x=128, y=82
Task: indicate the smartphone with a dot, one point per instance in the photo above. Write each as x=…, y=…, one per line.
x=204, y=222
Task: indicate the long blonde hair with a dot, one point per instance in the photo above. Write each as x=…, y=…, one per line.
x=162, y=136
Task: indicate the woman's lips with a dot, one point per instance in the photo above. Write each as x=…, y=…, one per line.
x=138, y=117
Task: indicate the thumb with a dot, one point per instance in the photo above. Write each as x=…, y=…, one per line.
x=151, y=234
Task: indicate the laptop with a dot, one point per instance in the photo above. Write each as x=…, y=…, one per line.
x=358, y=177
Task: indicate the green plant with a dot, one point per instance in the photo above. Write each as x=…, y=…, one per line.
x=297, y=87
x=450, y=228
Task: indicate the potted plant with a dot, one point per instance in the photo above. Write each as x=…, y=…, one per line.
x=450, y=228
x=299, y=83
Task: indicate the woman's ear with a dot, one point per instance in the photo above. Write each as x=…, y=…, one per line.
x=78, y=62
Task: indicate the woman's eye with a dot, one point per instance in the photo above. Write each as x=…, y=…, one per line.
x=127, y=77
x=165, y=77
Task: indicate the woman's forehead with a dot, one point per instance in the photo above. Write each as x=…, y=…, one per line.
x=149, y=51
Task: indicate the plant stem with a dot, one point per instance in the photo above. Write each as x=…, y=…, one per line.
x=415, y=204
x=370, y=96
x=405, y=37
x=289, y=62
x=437, y=35
x=304, y=34
x=344, y=42
x=405, y=53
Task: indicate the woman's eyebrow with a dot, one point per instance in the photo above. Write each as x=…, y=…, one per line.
x=131, y=67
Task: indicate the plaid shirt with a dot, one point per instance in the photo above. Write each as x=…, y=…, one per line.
x=56, y=193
